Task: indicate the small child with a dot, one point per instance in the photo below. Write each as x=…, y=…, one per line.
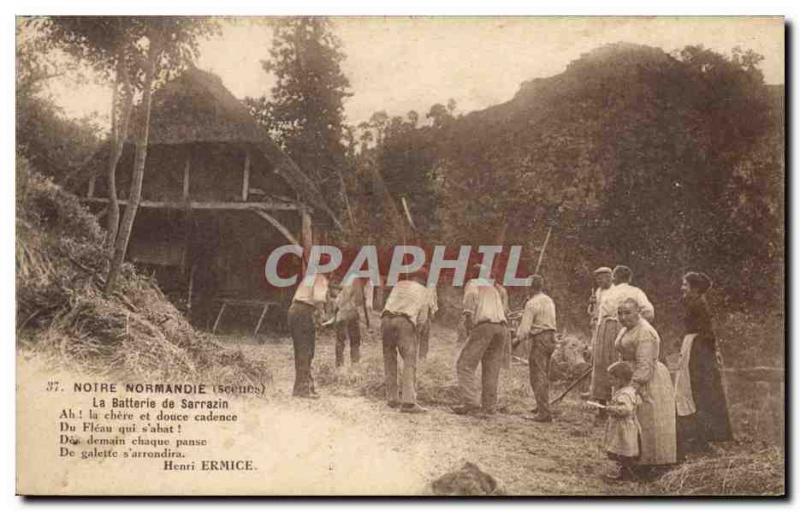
x=622, y=428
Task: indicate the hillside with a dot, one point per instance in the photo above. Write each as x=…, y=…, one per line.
x=63, y=316
x=663, y=162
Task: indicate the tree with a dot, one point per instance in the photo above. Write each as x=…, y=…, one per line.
x=442, y=115
x=139, y=52
x=35, y=63
x=305, y=112
x=397, y=161
x=108, y=44
x=172, y=43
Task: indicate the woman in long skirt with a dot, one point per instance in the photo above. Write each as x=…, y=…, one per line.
x=700, y=399
x=639, y=344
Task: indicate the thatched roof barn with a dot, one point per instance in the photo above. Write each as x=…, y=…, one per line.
x=218, y=195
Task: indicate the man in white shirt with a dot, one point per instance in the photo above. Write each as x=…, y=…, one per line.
x=485, y=308
x=539, y=323
x=623, y=290
x=405, y=310
x=311, y=295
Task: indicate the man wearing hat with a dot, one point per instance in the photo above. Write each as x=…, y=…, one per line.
x=602, y=284
x=539, y=323
x=485, y=306
x=405, y=311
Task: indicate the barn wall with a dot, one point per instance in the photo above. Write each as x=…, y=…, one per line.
x=216, y=172
x=267, y=181
x=215, y=175
x=228, y=250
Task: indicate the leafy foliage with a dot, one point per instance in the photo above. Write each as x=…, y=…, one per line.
x=50, y=140
x=662, y=162
x=655, y=160
x=106, y=41
x=305, y=113
x=403, y=165
x=44, y=135
x=397, y=160
x=140, y=52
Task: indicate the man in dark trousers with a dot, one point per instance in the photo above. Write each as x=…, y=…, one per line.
x=405, y=310
x=311, y=295
x=485, y=308
x=539, y=323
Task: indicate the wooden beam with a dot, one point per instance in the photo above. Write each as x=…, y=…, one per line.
x=246, y=177
x=276, y=224
x=261, y=318
x=408, y=213
x=264, y=205
x=774, y=374
x=219, y=317
x=186, y=169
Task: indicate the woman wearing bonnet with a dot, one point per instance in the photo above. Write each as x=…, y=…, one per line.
x=699, y=397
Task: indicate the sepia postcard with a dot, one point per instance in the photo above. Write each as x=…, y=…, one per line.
x=400, y=256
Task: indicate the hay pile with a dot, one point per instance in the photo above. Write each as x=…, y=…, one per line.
x=742, y=472
x=63, y=316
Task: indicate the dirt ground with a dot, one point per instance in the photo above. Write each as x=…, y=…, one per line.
x=528, y=458
x=349, y=442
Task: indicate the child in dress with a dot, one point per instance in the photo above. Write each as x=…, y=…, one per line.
x=622, y=428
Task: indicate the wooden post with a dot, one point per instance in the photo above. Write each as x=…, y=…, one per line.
x=191, y=289
x=379, y=292
x=187, y=222
x=261, y=318
x=246, y=177
x=90, y=193
x=544, y=247
x=306, y=235
x=186, y=169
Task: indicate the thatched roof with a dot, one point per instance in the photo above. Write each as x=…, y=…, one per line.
x=196, y=107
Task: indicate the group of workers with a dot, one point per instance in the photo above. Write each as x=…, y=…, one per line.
x=649, y=419
x=405, y=331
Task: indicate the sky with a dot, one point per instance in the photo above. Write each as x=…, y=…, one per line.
x=409, y=63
